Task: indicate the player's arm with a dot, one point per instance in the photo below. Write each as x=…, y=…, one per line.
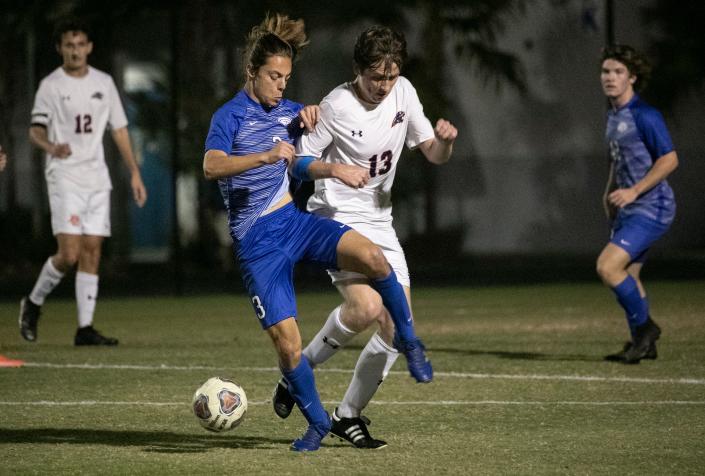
x=122, y=141
x=309, y=168
x=42, y=117
x=610, y=210
x=3, y=159
x=218, y=164
x=39, y=138
x=439, y=149
x=662, y=168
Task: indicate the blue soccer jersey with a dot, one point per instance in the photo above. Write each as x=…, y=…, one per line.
x=240, y=127
x=637, y=137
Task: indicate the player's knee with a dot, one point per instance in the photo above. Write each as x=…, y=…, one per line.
x=66, y=258
x=361, y=314
x=375, y=262
x=606, y=271
x=600, y=269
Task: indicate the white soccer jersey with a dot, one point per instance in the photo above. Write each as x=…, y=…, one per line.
x=76, y=111
x=350, y=132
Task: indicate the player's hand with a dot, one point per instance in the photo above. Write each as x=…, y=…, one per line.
x=351, y=175
x=308, y=117
x=622, y=197
x=3, y=159
x=282, y=150
x=139, y=192
x=60, y=151
x=445, y=131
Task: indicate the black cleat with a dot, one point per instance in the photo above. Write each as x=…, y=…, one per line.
x=651, y=354
x=29, y=316
x=645, y=336
x=282, y=401
x=89, y=336
x=355, y=431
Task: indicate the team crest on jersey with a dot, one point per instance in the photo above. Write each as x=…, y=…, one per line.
x=622, y=127
x=284, y=121
x=399, y=118
x=75, y=220
x=97, y=95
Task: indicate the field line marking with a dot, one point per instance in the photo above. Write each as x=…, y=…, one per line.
x=376, y=402
x=576, y=378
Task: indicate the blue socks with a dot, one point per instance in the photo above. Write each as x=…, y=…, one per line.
x=302, y=386
x=635, y=307
x=395, y=301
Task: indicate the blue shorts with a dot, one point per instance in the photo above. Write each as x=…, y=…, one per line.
x=271, y=248
x=635, y=234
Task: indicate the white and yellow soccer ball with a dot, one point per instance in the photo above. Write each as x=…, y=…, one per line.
x=219, y=404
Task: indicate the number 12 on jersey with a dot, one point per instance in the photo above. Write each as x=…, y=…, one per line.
x=83, y=124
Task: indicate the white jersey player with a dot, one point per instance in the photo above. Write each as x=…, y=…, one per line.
x=350, y=132
x=72, y=108
x=75, y=111
x=366, y=124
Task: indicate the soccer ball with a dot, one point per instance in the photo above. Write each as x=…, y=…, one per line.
x=219, y=404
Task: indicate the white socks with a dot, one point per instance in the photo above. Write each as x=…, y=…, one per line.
x=370, y=371
x=332, y=336
x=48, y=278
x=86, y=295
x=86, y=291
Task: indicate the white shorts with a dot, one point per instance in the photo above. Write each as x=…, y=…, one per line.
x=383, y=235
x=80, y=213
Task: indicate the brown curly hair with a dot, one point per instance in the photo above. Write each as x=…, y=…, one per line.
x=379, y=44
x=637, y=64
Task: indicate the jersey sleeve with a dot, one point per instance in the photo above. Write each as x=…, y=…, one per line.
x=420, y=128
x=224, y=127
x=42, y=112
x=117, y=118
x=654, y=133
x=314, y=143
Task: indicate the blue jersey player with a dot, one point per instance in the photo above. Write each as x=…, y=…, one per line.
x=249, y=150
x=638, y=200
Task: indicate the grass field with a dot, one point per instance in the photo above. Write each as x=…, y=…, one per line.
x=520, y=388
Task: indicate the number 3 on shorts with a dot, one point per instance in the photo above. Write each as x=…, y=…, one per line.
x=259, y=310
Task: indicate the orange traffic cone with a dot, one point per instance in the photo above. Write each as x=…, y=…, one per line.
x=5, y=362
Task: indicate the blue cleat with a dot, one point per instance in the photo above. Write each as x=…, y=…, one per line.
x=418, y=364
x=311, y=440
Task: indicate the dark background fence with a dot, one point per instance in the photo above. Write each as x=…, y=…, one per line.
x=519, y=202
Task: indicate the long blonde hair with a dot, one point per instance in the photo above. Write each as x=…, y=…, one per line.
x=277, y=35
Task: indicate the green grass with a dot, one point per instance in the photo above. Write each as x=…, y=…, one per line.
x=507, y=397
